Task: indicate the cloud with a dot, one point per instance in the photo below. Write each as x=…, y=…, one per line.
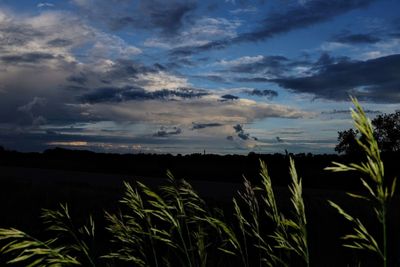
x=238, y=128
x=200, y=31
x=252, y=79
x=78, y=78
x=228, y=97
x=212, y=77
x=45, y=4
x=34, y=57
x=240, y=132
x=272, y=65
x=375, y=80
x=30, y=111
x=41, y=48
x=56, y=34
x=133, y=93
x=243, y=135
x=36, y=102
x=185, y=111
x=167, y=17
x=295, y=17
x=250, y=9
x=198, y=126
x=301, y=16
x=83, y=82
x=355, y=39
x=59, y=42
x=69, y=143
x=270, y=94
x=86, y=89
x=164, y=132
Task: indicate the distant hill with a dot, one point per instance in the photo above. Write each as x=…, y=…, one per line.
x=230, y=168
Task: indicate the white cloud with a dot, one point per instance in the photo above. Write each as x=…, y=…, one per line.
x=58, y=33
x=203, y=31
x=241, y=61
x=250, y=9
x=185, y=112
x=332, y=46
x=45, y=4
x=160, y=80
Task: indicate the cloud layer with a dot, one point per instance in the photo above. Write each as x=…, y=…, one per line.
x=152, y=74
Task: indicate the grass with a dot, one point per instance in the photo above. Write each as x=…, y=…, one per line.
x=174, y=226
x=69, y=247
x=378, y=192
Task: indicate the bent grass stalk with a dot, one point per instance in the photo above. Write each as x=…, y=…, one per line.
x=53, y=252
x=378, y=193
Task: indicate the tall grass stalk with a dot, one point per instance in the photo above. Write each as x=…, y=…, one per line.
x=378, y=192
x=173, y=220
x=71, y=246
x=291, y=234
x=287, y=235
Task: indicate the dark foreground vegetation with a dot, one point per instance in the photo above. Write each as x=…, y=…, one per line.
x=279, y=217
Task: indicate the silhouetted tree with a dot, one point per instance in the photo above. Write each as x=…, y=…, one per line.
x=347, y=142
x=386, y=131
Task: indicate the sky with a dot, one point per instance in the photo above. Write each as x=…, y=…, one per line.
x=181, y=77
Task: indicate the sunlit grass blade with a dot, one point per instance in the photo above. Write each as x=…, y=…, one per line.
x=377, y=192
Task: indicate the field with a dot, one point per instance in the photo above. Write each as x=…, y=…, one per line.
x=26, y=190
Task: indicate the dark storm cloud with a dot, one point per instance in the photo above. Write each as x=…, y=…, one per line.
x=134, y=93
x=163, y=132
x=228, y=97
x=297, y=17
x=376, y=80
x=241, y=133
x=324, y=60
x=31, y=113
x=268, y=64
x=198, y=126
x=190, y=50
x=301, y=16
x=356, y=39
x=17, y=34
x=59, y=42
x=35, y=103
x=34, y=57
x=166, y=16
x=79, y=78
x=121, y=71
x=213, y=78
x=128, y=68
x=274, y=67
x=238, y=128
x=252, y=80
x=262, y=93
